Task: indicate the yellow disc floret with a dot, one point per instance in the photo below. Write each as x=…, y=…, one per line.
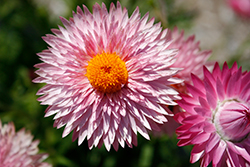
x=107, y=73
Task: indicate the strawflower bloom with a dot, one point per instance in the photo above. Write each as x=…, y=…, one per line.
x=17, y=148
x=216, y=117
x=108, y=76
x=191, y=59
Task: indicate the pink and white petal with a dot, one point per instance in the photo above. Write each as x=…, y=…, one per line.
x=219, y=151
x=213, y=142
x=197, y=152
x=240, y=150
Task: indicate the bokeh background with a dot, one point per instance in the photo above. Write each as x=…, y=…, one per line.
x=24, y=22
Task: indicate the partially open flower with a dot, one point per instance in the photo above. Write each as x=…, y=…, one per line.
x=216, y=118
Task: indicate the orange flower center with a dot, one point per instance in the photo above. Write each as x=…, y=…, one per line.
x=107, y=73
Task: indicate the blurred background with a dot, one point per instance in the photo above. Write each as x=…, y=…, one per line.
x=24, y=22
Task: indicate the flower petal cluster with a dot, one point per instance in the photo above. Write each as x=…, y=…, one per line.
x=189, y=57
x=17, y=148
x=216, y=117
x=84, y=87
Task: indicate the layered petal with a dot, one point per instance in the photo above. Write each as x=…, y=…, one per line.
x=82, y=70
x=18, y=148
x=216, y=117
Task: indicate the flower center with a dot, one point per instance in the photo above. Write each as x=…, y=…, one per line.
x=107, y=73
x=232, y=120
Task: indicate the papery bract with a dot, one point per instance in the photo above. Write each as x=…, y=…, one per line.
x=191, y=59
x=216, y=117
x=18, y=150
x=107, y=76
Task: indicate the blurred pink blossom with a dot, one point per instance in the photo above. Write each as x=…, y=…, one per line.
x=18, y=150
x=191, y=59
x=241, y=7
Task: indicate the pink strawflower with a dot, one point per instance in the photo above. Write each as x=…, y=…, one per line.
x=241, y=7
x=18, y=150
x=216, y=117
x=108, y=76
x=191, y=59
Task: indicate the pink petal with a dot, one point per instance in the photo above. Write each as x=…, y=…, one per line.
x=216, y=71
x=234, y=85
x=193, y=118
x=200, y=138
x=240, y=150
x=212, y=142
x=219, y=151
x=220, y=90
x=197, y=152
x=198, y=83
x=233, y=158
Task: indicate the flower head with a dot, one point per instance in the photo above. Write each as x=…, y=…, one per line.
x=190, y=58
x=216, y=117
x=108, y=76
x=17, y=148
